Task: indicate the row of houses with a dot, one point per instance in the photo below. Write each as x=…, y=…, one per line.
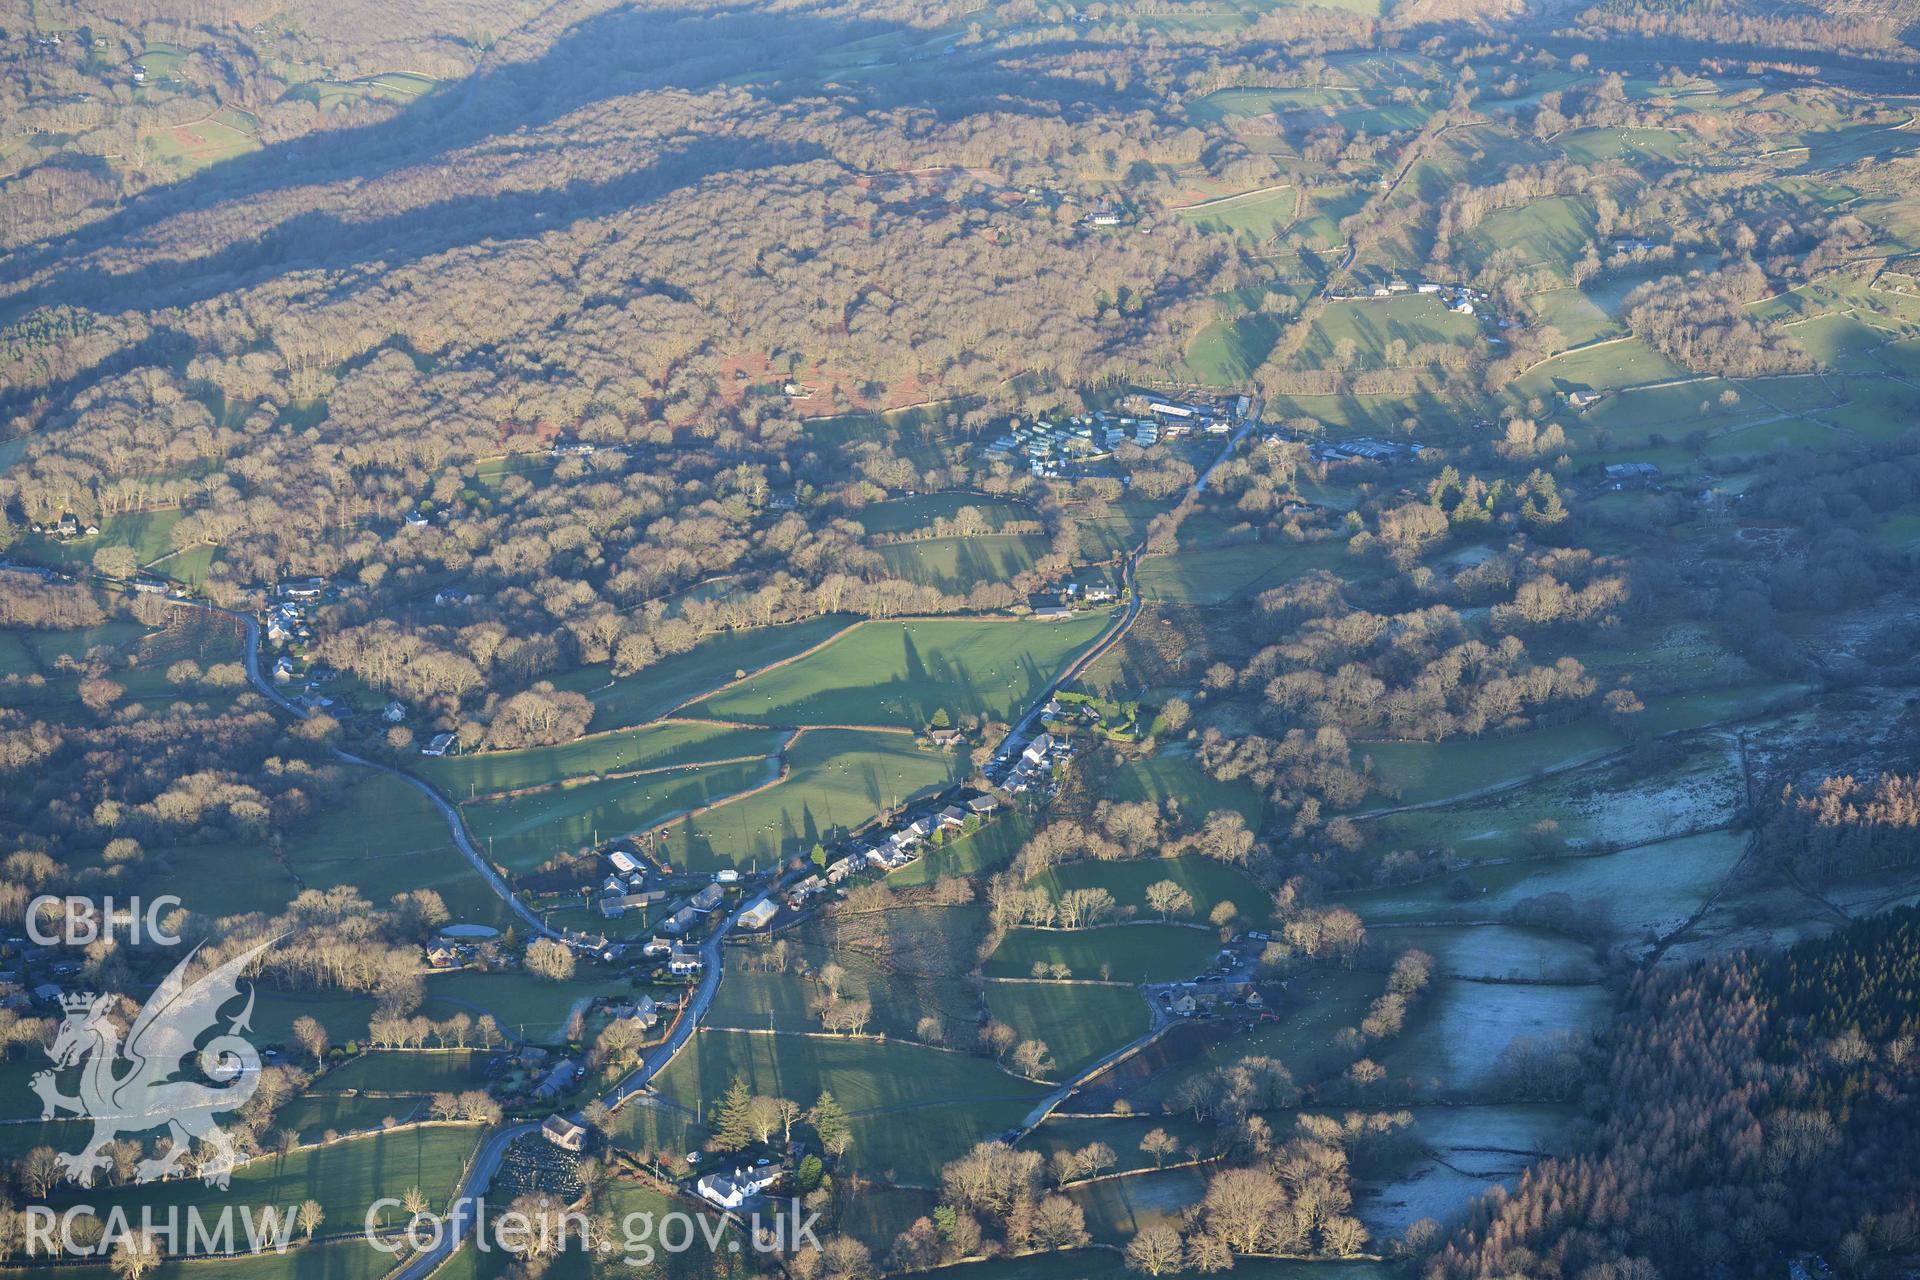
x=1035, y=761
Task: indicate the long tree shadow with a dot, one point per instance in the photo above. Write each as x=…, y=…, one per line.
x=614, y=55
x=324, y=240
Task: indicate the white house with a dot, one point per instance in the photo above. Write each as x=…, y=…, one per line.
x=731, y=1190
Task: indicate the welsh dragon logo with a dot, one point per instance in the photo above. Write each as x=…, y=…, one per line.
x=129, y=1088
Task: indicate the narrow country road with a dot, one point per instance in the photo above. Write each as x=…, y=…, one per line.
x=455, y=827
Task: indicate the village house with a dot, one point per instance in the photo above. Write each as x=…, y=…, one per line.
x=684, y=962
x=708, y=898
x=441, y=744
x=681, y=920
x=617, y=903
x=564, y=1074
x=798, y=895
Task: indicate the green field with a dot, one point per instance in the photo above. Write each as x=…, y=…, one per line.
x=1117, y=1208
x=1259, y=215
x=342, y=1260
x=753, y=1001
x=1372, y=325
x=380, y=835
x=1226, y=352
x=904, y=515
x=837, y=780
x=864, y=1075
x=912, y=1108
x=313, y=1116
x=412, y=1071
x=384, y=837
x=907, y=1149
x=1423, y=772
x=957, y=565
x=900, y=673
x=1576, y=315
x=1175, y=780
x=1547, y=233
x=1208, y=881
x=526, y=1007
x=526, y=830
x=1150, y=952
x=346, y=1177
x=1214, y=575
x=660, y=746
x=623, y=701
x=147, y=532
x=1608, y=806
x=1079, y=1022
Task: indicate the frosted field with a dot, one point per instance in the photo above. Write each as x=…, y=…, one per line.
x=1456, y=1035
x=1652, y=888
